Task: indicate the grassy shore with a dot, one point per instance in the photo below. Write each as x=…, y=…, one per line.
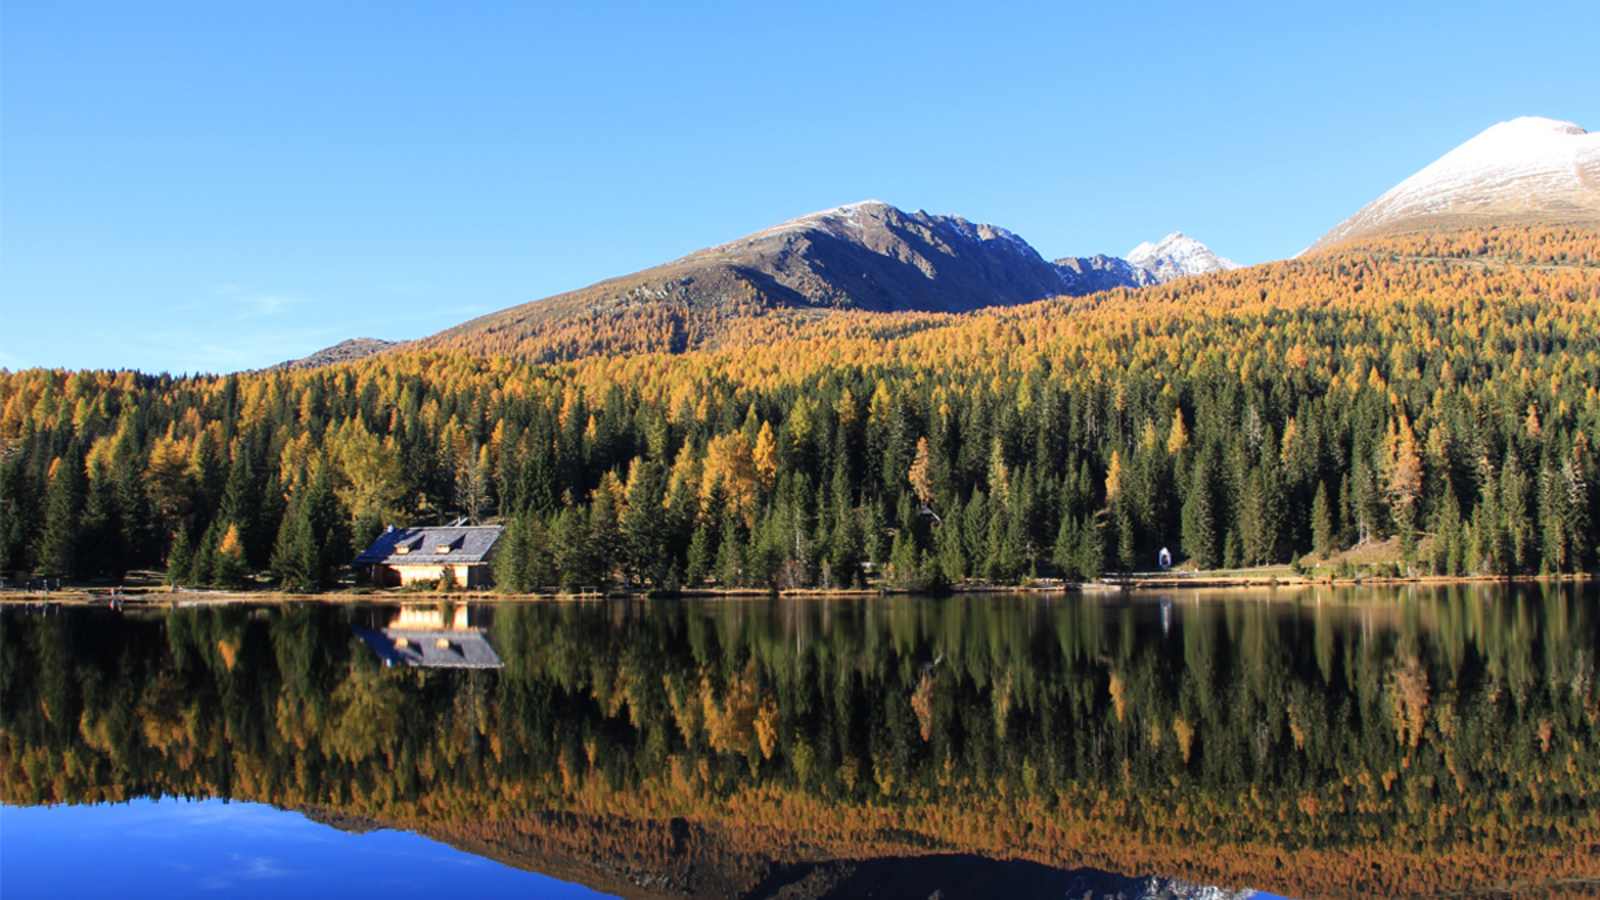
x=1265, y=577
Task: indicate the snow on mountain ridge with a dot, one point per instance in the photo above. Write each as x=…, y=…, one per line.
x=1177, y=255
x=1524, y=167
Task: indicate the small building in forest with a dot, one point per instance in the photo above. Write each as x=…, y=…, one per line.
x=404, y=556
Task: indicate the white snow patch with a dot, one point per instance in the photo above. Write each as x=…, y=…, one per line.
x=1177, y=255
x=1527, y=164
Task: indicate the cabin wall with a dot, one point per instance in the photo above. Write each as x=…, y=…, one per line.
x=470, y=575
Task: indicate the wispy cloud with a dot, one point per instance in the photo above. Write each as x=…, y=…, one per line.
x=260, y=305
x=256, y=867
x=254, y=303
x=246, y=868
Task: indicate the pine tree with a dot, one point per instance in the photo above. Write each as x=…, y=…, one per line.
x=730, y=555
x=511, y=554
x=101, y=550
x=844, y=547
x=313, y=538
x=574, y=555
x=1200, y=520
x=203, y=565
x=952, y=553
x=229, y=567
x=1322, y=534
x=1127, y=539
x=1367, y=504
x=1232, y=557
x=180, y=559
x=1487, y=554
x=1447, y=555
x=1349, y=533
x=1581, y=500
x=241, y=504
x=605, y=533
x=904, y=562
x=701, y=556
x=1091, y=551
x=1554, y=513
x=1516, y=521
x=644, y=525
x=1064, y=552
x=15, y=514
x=63, y=511
x=139, y=535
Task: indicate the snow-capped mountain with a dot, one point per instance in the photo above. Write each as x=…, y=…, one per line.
x=1174, y=256
x=1529, y=170
x=1177, y=255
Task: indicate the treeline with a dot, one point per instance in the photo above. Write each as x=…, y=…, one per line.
x=1254, y=417
x=1453, y=738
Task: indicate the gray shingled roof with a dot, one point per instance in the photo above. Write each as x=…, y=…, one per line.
x=406, y=647
x=467, y=543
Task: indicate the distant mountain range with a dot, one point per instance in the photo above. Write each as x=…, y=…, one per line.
x=871, y=256
x=867, y=256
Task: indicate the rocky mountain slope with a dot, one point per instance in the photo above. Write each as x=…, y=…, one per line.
x=1090, y=274
x=1527, y=171
x=867, y=256
x=344, y=351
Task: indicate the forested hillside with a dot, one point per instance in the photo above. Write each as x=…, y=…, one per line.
x=1441, y=389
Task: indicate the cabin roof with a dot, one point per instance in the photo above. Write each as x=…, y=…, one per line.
x=432, y=649
x=420, y=546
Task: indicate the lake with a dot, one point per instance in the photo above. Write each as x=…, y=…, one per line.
x=1326, y=742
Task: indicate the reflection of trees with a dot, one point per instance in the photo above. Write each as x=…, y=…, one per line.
x=1457, y=722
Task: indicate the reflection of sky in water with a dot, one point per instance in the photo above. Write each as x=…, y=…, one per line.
x=176, y=848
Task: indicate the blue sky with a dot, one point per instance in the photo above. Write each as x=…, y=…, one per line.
x=220, y=186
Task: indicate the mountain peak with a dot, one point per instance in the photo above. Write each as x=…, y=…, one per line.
x=866, y=255
x=1177, y=255
x=1525, y=170
x=1533, y=125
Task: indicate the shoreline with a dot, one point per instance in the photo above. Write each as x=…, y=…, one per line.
x=161, y=595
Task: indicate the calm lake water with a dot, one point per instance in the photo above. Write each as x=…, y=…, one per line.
x=1330, y=742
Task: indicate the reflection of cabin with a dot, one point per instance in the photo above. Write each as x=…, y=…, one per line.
x=423, y=636
x=402, y=556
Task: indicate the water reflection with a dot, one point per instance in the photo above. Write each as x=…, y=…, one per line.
x=434, y=637
x=174, y=848
x=1340, y=742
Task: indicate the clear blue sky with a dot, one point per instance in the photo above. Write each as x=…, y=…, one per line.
x=219, y=186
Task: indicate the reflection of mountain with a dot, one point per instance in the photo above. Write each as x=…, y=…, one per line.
x=802, y=748
x=333, y=818
x=691, y=864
